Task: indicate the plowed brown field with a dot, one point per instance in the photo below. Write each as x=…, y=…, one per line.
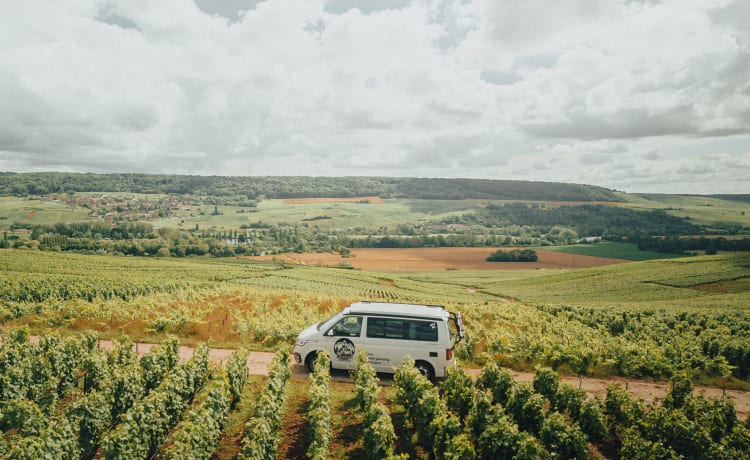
x=439, y=259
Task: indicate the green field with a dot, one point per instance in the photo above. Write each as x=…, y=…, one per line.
x=37, y=212
x=325, y=215
x=626, y=251
x=700, y=209
x=708, y=282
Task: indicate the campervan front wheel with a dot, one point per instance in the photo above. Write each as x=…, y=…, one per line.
x=425, y=369
x=310, y=361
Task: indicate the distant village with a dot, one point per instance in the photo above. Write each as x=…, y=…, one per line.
x=118, y=208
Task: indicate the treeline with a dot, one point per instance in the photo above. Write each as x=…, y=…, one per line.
x=260, y=187
x=609, y=222
x=677, y=245
x=139, y=239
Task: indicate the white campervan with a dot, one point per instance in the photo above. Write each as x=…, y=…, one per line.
x=388, y=332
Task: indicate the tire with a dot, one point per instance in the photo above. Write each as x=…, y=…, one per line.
x=425, y=369
x=310, y=361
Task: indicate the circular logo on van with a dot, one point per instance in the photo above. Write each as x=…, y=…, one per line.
x=344, y=349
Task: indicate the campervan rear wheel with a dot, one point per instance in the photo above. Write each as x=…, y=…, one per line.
x=425, y=369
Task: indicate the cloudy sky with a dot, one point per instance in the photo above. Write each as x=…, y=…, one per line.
x=634, y=95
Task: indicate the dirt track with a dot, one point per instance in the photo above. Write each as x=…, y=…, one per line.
x=258, y=362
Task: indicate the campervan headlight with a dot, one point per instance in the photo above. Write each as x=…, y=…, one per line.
x=303, y=342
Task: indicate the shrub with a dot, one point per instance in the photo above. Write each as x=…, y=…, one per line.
x=546, y=382
x=562, y=438
x=527, y=408
x=569, y=400
x=514, y=255
x=499, y=381
x=592, y=420
x=458, y=392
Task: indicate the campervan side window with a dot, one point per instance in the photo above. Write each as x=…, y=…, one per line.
x=402, y=329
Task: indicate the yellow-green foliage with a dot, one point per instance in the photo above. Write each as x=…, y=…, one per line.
x=643, y=319
x=716, y=281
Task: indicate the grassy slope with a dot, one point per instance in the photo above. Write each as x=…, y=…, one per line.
x=715, y=280
x=701, y=209
x=626, y=251
x=337, y=215
x=38, y=212
x=712, y=281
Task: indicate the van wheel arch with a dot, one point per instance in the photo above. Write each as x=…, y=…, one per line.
x=425, y=369
x=310, y=360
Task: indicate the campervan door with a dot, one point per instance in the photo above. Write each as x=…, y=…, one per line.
x=343, y=340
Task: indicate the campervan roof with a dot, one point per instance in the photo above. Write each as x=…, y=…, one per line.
x=396, y=309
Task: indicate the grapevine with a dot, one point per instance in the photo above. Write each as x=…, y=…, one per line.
x=262, y=435
x=319, y=413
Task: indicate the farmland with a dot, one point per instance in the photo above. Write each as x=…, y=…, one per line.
x=66, y=398
x=702, y=209
x=418, y=259
x=142, y=258
x=642, y=320
x=584, y=321
x=333, y=212
x=622, y=251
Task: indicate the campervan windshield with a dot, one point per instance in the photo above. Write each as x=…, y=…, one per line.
x=327, y=324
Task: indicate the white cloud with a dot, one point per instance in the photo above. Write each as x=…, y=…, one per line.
x=595, y=91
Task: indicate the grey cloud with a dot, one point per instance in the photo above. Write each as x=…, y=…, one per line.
x=624, y=124
x=594, y=159
x=651, y=156
x=229, y=9
x=446, y=151
x=108, y=14
x=447, y=15
x=535, y=61
x=496, y=77
x=516, y=23
x=363, y=118
x=444, y=88
x=733, y=14
x=31, y=124
x=543, y=166
x=102, y=161
x=135, y=117
x=521, y=64
x=365, y=6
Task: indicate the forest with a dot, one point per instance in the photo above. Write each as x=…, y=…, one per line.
x=231, y=189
